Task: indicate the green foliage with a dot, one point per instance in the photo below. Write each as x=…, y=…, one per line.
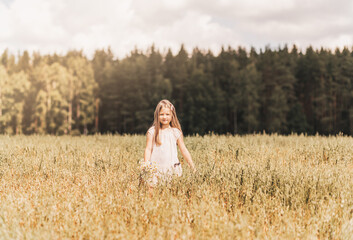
x=250, y=89
x=81, y=96
x=13, y=96
x=237, y=92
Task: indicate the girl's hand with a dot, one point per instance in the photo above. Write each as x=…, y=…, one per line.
x=148, y=166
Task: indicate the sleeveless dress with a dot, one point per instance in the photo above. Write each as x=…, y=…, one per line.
x=165, y=156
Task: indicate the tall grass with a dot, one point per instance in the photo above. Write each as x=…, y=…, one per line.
x=250, y=187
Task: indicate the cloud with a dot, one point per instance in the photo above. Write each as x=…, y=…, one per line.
x=57, y=26
x=60, y=25
x=6, y=30
x=317, y=23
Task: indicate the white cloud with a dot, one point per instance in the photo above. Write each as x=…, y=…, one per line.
x=196, y=30
x=59, y=25
x=6, y=30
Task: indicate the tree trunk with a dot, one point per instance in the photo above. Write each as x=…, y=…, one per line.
x=335, y=113
x=97, y=116
x=85, y=130
x=350, y=119
x=70, y=117
x=235, y=121
x=78, y=113
x=36, y=125
x=78, y=110
x=48, y=101
x=0, y=104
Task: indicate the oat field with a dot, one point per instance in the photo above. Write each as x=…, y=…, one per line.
x=246, y=187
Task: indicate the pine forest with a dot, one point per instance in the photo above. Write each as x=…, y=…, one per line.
x=237, y=91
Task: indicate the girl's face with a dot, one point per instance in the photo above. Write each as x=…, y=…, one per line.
x=165, y=116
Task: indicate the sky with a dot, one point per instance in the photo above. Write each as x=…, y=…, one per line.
x=58, y=26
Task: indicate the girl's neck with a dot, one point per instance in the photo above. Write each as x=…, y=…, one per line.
x=165, y=126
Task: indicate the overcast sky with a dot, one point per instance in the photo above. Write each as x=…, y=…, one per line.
x=60, y=25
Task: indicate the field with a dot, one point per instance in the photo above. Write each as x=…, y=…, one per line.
x=249, y=187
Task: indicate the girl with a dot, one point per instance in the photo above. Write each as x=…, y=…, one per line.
x=162, y=140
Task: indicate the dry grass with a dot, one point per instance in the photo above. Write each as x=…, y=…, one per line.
x=250, y=187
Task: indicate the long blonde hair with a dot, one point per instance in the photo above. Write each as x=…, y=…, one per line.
x=156, y=123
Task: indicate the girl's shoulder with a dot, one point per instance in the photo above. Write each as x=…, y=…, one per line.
x=176, y=132
x=151, y=130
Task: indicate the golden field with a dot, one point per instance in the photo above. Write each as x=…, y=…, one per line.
x=246, y=187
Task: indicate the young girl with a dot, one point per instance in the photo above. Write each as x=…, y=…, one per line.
x=162, y=140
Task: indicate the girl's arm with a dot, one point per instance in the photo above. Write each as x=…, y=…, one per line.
x=149, y=146
x=184, y=151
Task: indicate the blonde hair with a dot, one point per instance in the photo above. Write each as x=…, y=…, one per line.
x=156, y=123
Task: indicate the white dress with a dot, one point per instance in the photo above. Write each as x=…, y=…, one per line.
x=165, y=156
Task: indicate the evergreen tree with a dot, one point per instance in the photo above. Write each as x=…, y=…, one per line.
x=277, y=91
x=13, y=102
x=4, y=58
x=8, y=61
x=234, y=92
x=199, y=97
x=23, y=63
x=4, y=81
x=226, y=78
x=341, y=68
x=310, y=88
x=81, y=96
x=179, y=78
x=102, y=65
x=250, y=89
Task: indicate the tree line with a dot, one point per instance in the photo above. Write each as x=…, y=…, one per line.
x=237, y=91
